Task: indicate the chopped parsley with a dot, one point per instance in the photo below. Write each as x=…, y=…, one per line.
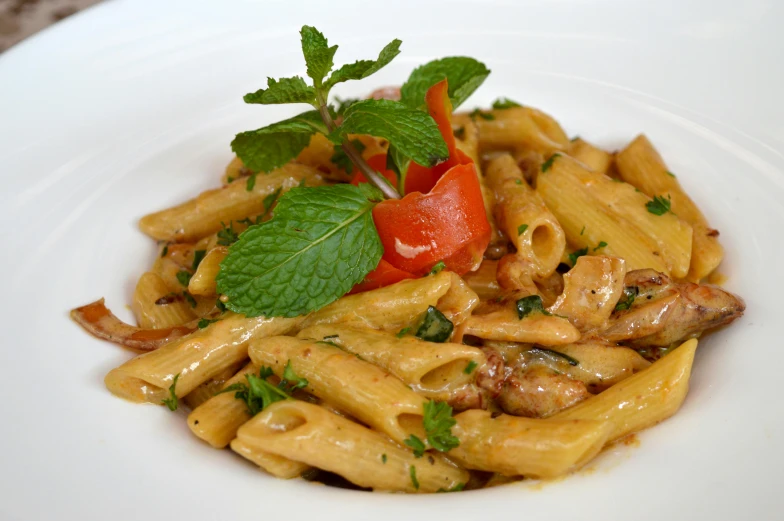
x=403, y=332
x=258, y=393
x=384, y=459
x=518, y=181
x=470, y=367
x=165, y=251
x=189, y=298
x=204, y=322
x=505, y=103
x=417, y=444
x=530, y=304
x=577, y=254
x=171, y=402
x=582, y=231
x=414, y=480
x=670, y=174
x=575, y=138
x=251, y=182
x=438, y=423
x=627, y=299
x=437, y=268
x=659, y=205
x=484, y=115
x=184, y=277
x=521, y=229
x=457, y=488
x=435, y=327
x=227, y=236
x=549, y=163
x=601, y=245
x=220, y=305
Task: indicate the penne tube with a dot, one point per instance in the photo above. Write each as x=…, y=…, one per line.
x=518, y=127
x=515, y=446
x=433, y=370
x=591, y=290
x=672, y=235
x=208, y=389
x=203, y=215
x=536, y=328
x=523, y=217
x=217, y=419
x=155, y=307
x=202, y=282
x=483, y=281
x=390, y=308
x=196, y=358
x=587, y=222
x=641, y=165
x=459, y=300
x=599, y=365
x=307, y=433
x=640, y=401
x=354, y=386
x=275, y=465
x=591, y=156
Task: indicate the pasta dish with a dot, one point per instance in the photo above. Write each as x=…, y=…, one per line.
x=387, y=294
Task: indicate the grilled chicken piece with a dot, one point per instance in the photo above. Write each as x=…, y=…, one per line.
x=663, y=312
x=539, y=392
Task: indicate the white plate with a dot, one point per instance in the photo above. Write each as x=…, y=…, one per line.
x=130, y=107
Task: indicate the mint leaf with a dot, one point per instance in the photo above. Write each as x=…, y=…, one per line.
x=412, y=132
x=364, y=68
x=320, y=243
x=284, y=90
x=318, y=54
x=465, y=75
x=344, y=104
x=398, y=163
x=273, y=146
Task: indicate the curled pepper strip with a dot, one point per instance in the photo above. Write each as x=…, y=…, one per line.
x=384, y=275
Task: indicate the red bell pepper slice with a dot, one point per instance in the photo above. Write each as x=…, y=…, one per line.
x=420, y=178
x=384, y=275
x=448, y=224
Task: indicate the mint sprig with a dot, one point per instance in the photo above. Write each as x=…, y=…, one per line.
x=320, y=243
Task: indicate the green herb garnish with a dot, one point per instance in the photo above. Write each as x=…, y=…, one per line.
x=521, y=229
x=599, y=246
x=438, y=423
x=415, y=443
x=530, y=304
x=478, y=113
x=627, y=299
x=198, y=256
x=172, y=402
x=577, y=254
x=549, y=163
x=435, y=327
x=412, y=473
x=437, y=268
x=470, y=367
x=659, y=205
x=505, y=103
x=567, y=358
x=204, y=322
x=184, y=277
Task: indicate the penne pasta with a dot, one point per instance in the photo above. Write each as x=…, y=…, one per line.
x=195, y=358
x=351, y=385
x=641, y=165
x=276, y=465
x=515, y=446
x=202, y=282
x=304, y=432
x=203, y=215
x=155, y=307
x=593, y=157
x=390, y=308
x=433, y=370
x=217, y=419
x=518, y=127
x=483, y=281
x=523, y=217
x=588, y=223
x=640, y=401
x=208, y=389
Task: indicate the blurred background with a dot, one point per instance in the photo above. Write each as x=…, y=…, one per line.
x=22, y=18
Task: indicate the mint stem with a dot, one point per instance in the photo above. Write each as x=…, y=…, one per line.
x=370, y=174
